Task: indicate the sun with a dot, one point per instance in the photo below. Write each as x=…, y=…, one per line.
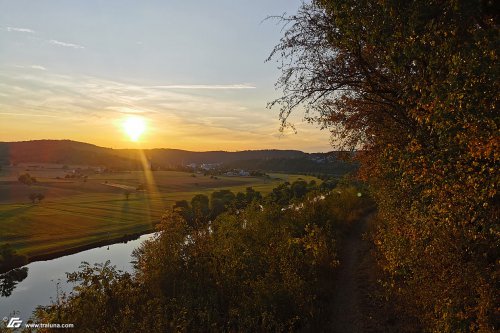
x=134, y=127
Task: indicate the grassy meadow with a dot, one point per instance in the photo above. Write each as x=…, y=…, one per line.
x=76, y=213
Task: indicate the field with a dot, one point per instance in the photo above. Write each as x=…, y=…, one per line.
x=78, y=212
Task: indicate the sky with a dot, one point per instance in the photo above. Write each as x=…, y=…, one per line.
x=194, y=71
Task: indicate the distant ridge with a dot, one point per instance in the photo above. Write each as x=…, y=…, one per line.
x=80, y=153
x=57, y=151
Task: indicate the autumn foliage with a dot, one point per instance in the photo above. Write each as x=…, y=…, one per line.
x=264, y=267
x=413, y=86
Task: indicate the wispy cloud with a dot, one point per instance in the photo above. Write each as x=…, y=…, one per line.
x=204, y=86
x=27, y=114
x=37, y=67
x=25, y=30
x=92, y=109
x=51, y=41
x=59, y=43
x=41, y=68
x=130, y=110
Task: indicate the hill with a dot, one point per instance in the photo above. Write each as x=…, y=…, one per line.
x=57, y=151
x=79, y=153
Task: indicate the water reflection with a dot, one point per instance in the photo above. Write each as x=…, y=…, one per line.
x=9, y=280
x=47, y=279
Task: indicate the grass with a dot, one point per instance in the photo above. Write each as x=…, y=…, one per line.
x=77, y=213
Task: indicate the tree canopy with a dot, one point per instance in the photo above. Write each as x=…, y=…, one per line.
x=262, y=267
x=413, y=87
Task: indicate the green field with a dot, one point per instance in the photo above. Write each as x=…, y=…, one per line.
x=76, y=213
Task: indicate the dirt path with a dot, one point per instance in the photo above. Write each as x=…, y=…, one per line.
x=359, y=300
x=359, y=303
x=347, y=315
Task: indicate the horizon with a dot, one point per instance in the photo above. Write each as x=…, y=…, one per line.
x=82, y=71
x=169, y=148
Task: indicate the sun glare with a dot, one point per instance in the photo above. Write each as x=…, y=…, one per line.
x=134, y=127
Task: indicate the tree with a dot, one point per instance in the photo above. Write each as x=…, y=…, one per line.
x=299, y=188
x=200, y=208
x=220, y=201
x=240, y=201
x=33, y=197
x=280, y=195
x=26, y=179
x=36, y=196
x=252, y=195
x=413, y=87
x=183, y=209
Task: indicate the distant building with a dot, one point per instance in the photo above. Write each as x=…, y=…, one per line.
x=234, y=173
x=209, y=166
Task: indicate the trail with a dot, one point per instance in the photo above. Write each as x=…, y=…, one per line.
x=346, y=314
x=355, y=297
x=359, y=302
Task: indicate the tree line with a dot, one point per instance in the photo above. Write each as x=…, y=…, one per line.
x=227, y=262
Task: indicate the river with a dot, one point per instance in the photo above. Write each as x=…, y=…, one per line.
x=45, y=277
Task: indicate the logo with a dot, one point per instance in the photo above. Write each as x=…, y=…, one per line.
x=14, y=322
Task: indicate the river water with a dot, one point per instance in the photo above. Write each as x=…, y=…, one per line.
x=45, y=277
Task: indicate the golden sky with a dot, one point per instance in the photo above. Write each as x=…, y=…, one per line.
x=77, y=70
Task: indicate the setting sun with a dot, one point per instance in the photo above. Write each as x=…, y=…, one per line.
x=134, y=127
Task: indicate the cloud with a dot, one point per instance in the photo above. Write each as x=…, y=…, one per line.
x=37, y=67
x=51, y=41
x=205, y=86
x=84, y=96
x=25, y=30
x=128, y=110
x=27, y=114
x=41, y=68
x=57, y=42
x=92, y=108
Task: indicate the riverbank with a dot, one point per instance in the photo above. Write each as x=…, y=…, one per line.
x=77, y=213
x=72, y=250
